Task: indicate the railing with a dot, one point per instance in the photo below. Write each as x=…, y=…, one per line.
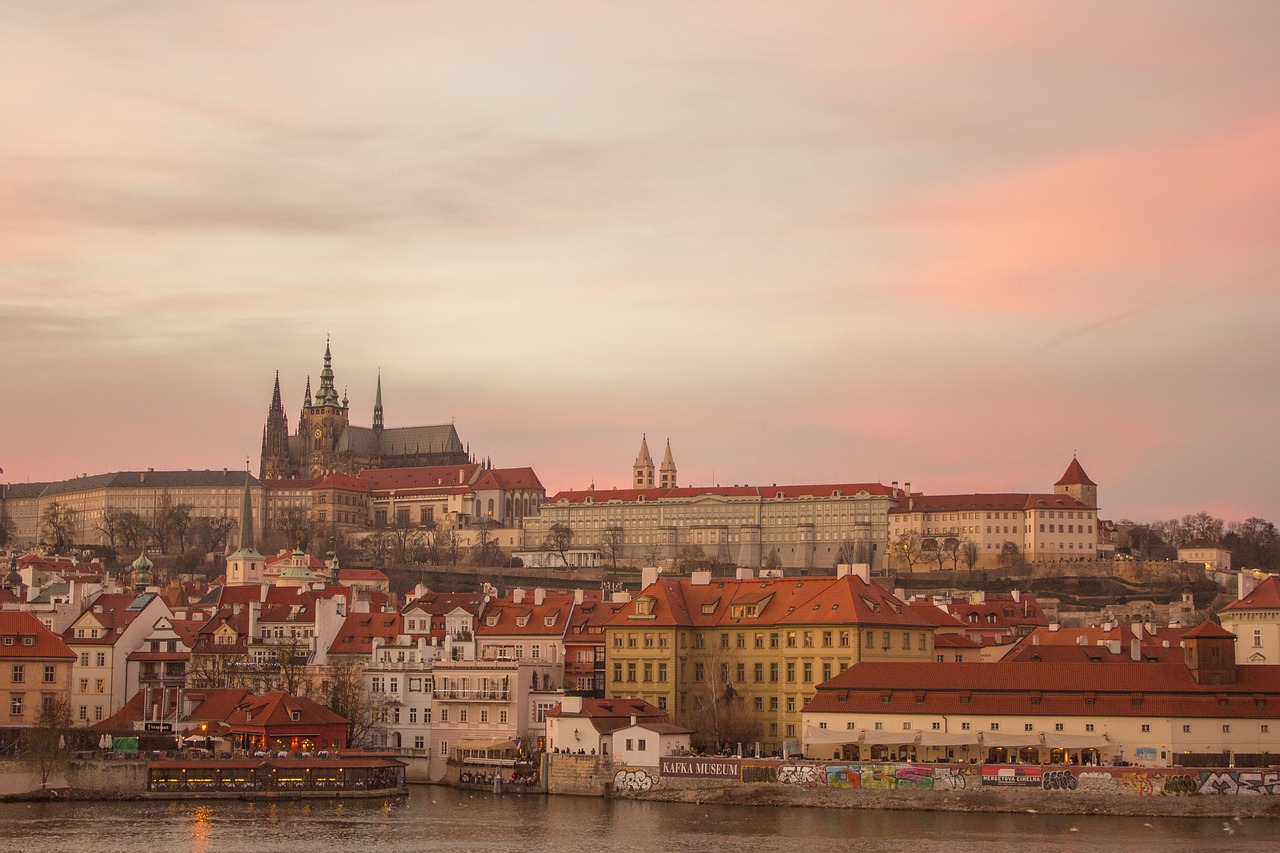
x=496, y=695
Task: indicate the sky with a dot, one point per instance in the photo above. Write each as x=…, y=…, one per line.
x=949, y=243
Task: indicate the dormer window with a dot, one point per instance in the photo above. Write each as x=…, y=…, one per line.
x=295, y=716
x=521, y=621
x=549, y=621
x=491, y=621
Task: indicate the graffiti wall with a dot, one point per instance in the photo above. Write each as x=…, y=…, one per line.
x=1053, y=779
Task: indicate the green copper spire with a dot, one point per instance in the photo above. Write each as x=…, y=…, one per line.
x=246, y=522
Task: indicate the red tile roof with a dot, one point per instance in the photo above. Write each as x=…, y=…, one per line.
x=276, y=709
x=359, y=630
x=342, y=481
x=429, y=477
x=1015, y=501
x=112, y=611
x=1088, y=689
x=1208, y=630
x=778, y=601
x=740, y=492
x=507, y=478
x=1075, y=475
x=22, y=626
x=1265, y=596
x=503, y=617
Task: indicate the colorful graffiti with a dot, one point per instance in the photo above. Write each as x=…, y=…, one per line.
x=633, y=781
x=1056, y=779
x=1241, y=783
x=843, y=776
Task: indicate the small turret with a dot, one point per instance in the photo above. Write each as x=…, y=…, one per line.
x=643, y=469
x=667, y=472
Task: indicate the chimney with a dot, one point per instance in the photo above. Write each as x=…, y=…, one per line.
x=571, y=705
x=843, y=570
x=539, y=596
x=262, y=592
x=633, y=719
x=700, y=578
x=1113, y=646
x=1135, y=628
x=906, y=487
x=744, y=574
x=895, y=488
x=1017, y=595
x=577, y=597
x=648, y=576
x=517, y=596
x=1135, y=649
x=620, y=597
x=1035, y=639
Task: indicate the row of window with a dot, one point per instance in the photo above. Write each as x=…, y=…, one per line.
x=829, y=639
x=18, y=674
x=1263, y=728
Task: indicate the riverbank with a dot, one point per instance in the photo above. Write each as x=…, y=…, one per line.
x=996, y=802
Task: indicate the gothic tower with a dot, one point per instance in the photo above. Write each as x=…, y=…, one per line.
x=642, y=470
x=667, y=471
x=1076, y=483
x=322, y=423
x=275, y=439
x=377, y=407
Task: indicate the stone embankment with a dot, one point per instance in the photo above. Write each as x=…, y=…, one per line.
x=1057, y=789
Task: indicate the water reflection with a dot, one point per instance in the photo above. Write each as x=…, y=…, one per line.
x=446, y=820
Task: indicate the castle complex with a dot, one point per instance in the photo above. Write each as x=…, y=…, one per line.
x=327, y=443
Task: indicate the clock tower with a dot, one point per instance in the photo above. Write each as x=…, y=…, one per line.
x=322, y=422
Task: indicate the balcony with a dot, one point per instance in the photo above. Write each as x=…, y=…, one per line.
x=489, y=695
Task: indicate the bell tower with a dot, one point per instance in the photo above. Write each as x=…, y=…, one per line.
x=643, y=469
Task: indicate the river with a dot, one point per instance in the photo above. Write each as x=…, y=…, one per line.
x=437, y=818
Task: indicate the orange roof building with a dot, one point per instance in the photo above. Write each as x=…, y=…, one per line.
x=770, y=640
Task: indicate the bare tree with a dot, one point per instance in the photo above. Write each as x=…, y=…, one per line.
x=209, y=533
x=8, y=529
x=1011, y=555
x=291, y=658
x=294, y=524
x=345, y=695
x=58, y=525
x=720, y=715
x=167, y=521
x=950, y=549
x=44, y=745
x=970, y=552
x=487, y=552
x=691, y=558
x=774, y=561
x=909, y=546
x=559, y=539
x=611, y=545
x=112, y=526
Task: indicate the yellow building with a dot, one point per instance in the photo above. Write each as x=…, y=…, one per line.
x=751, y=650
x=1202, y=710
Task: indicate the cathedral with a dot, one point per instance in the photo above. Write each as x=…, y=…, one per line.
x=326, y=443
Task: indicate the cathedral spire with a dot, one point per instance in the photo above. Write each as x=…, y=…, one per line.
x=306, y=398
x=274, y=461
x=377, y=405
x=327, y=395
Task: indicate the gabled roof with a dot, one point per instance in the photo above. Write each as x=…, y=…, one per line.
x=277, y=709
x=114, y=612
x=23, y=626
x=1265, y=596
x=507, y=478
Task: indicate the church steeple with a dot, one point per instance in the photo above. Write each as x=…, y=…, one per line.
x=245, y=564
x=667, y=472
x=642, y=470
x=306, y=398
x=377, y=405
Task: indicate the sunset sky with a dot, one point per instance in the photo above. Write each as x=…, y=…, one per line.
x=948, y=243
